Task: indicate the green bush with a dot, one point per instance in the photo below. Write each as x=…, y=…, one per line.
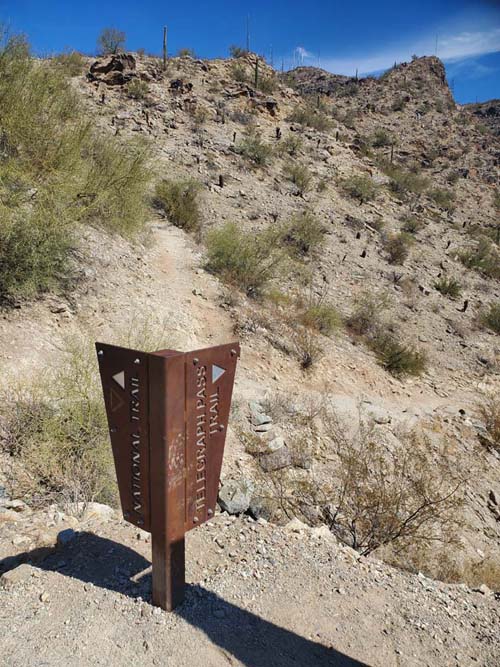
x=411, y=224
x=299, y=174
x=179, y=200
x=443, y=198
x=303, y=234
x=72, y=62
x=360, y=187
x=397, y=358
x=397, y=247
x=491, y=317
x=254, y=149
x=55, y=173
x=449, y=287
x=290, y=145
x=322, y=317
x=239, y=72
x=366, y=316
x=484, y=257
x=185, y=52
x=310, y=117
x=237, y=51
x=248, y=260
x=381, y=138
x=402, y=182
x=56, y=425
x=137, y=89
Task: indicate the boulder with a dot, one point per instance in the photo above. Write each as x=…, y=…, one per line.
x=18, y=575
x=235, y=495
x=115, y=70
x=281, y=458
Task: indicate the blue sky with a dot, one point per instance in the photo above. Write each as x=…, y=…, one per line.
x=341, y=37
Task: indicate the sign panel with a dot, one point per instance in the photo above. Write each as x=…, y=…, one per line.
x=124, y=376
x=209, y=385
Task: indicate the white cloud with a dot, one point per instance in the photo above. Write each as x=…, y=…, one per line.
x=450, y=48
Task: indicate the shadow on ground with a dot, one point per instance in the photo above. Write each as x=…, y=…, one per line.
x=252, y=640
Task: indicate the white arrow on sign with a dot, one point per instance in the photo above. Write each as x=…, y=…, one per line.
x=119, y=378
x=217, y=372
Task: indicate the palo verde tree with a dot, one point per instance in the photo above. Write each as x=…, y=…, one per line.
x=110, y=41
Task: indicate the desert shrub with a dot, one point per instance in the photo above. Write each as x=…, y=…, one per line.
x=186, y=52
x=303, y=234
x=110, y=40
x=322, y=317
x=180, y=201
x=254, y=149
x=350, y=89
x=55, y=173
x=307, y=346
x=360, y=187
x=491, y=317
x=266, y=84
x=117, y=176
x=237, y=51
x=71, y=62
x=34, y=251
x=290, y=145
x=411, y=224
x=299, y=174
x=489, y=409
x=381, y=138
x=56, y=425
x=310, y=117
x=402, y=182
x=483, y=258
x=137, y=89
x=366, y=316
x=449, y=287
x=396, y=357
x=247, y=260
x=443, y=198
x=398, y=247
x=239, y=72
x=399, y=103
x=399, y=495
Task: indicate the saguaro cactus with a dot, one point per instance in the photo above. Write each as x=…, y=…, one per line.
x=164, y=48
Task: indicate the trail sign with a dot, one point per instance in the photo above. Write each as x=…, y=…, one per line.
x=167, y=414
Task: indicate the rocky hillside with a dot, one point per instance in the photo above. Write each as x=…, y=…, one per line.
x=377, y=200
x=488, y=113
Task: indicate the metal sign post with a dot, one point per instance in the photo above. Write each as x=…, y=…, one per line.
x=167, y=414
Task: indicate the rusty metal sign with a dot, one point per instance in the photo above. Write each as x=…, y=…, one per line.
x=168, y=413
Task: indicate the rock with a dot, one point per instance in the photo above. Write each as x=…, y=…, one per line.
x=16, y=505
x=261, y=508
x=258, y=419
x=492, y=497
x=321, y=532
x=235, y=495
x=295, y=526
x=275, y=444
x=118, y=62
x=263, y=428
x=44, y=597
x=66, y=536
x=378, y=414
x=8, y=515
x=351, y=553
x=281, y=458
x=18, y=575
x=89, y=511
x=484, y=590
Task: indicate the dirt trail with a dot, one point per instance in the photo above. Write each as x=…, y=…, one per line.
x=257, y=596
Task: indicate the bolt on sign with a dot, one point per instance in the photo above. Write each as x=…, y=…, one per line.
x=167, y=414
